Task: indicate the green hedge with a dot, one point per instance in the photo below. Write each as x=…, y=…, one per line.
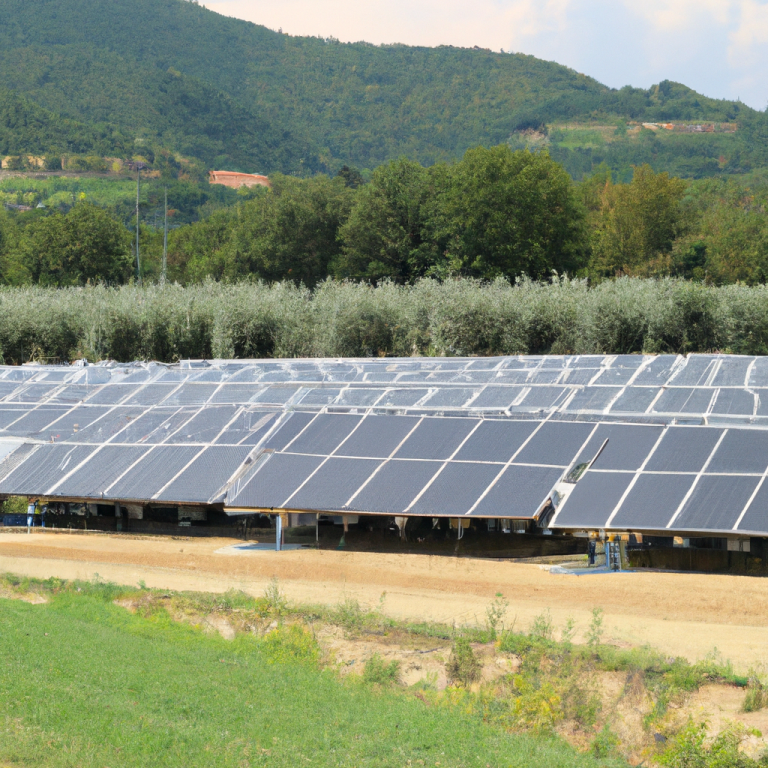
x=455, y=317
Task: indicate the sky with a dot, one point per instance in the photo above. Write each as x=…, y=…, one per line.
x=717, y=47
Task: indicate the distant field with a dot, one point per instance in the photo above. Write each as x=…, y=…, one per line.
x=107, y=191
x=86, y=683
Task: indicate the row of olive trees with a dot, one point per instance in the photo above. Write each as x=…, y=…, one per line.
x=454, y=317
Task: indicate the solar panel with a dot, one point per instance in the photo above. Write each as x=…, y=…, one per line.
x=541, y=398
x=684, y=400
x=696, y=370
x=634, y=400
x=156, y=469
x=151, y=394
x=555, y=443
x=436, y=438
x=191, y=393
x=402, y=397
x=359, y=397
x=716, y=503
x=334, y=483
x=741, y=451
x=734, y=401
x=205, y=426
x=627, y=448
x=44, y=468
x=15, y=457
x=100, y=471
x=107, y=426
x=394, y=487
x=248, y=428
x=684, y=449
x=378, y=436
x=155, y=425
x=450, y=397
x=325, y=433
x=594, y=498
x=206, y=476
x=287, y=428
x=455, y=490
x=36, y=421
x=276, y=480
x=756, y=515
x=235, y=393
x=233, y=406
x=592, y=399
x=658, y=370
x=111, y=394
x=497, y=397
x=652, y=501
x=496, y=441
x=519, y=492
x=732, y=371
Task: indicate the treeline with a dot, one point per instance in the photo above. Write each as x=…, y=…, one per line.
x=453, y=317
x=495, y=213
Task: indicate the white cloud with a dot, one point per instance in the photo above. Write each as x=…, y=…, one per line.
x=718, y=47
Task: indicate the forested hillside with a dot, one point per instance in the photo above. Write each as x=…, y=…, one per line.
x=174, y=74
x=26, y=128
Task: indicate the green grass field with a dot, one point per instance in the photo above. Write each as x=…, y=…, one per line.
x=84, y=682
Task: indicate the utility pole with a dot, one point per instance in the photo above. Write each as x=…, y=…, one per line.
x=138, y=259
x=165, y=238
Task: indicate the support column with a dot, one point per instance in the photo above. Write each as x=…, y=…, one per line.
x=278, y=533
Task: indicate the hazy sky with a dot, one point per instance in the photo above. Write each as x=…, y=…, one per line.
x=718, y=47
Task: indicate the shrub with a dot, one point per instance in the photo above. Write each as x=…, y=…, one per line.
x=379, y=672
x=463, y=667
x=291, y=644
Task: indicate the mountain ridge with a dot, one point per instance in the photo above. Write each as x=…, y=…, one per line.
x=239, y=95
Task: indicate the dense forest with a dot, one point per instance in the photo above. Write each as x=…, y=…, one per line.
x=139, y=77
x=496, y=213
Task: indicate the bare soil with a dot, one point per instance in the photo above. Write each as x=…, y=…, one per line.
x=682, y=614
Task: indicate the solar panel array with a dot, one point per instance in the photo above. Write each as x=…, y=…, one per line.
x=485, y=437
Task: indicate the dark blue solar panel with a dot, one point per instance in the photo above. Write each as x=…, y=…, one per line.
x=652, y=501
x=325, y=433
x=519, y=492
x=592, y=501
x=627, y=448
x=275, y=481
x=556, y=442
x=684, y=400
x=684, y=449
x=716, y=503
x=742, y=451
x=734, y=401
x=436, y=438
x=205, y=477
x=333, y=484
x=378, y=436
x=394, y=487
x=496, y=440
x=756, y=517
x=292, y=423
x=455, y=490
x=593, y=399
x=696, y=371
x=156, y=469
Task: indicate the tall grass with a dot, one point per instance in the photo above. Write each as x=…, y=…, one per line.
x=455, y=317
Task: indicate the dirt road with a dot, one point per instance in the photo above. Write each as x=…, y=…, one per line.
x=682, y=614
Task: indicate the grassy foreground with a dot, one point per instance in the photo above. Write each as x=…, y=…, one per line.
x=84, y=682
